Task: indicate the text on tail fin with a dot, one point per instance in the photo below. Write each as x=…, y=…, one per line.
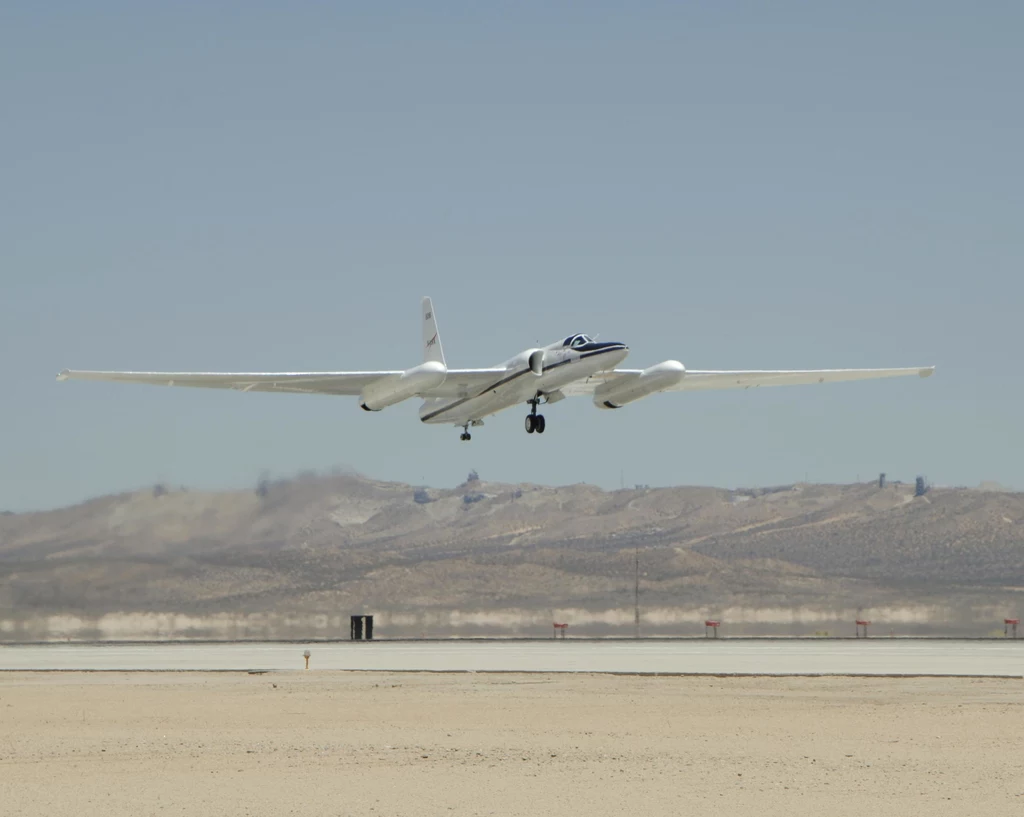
x=432, y=350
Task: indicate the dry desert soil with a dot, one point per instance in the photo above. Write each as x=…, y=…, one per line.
x=424, y=744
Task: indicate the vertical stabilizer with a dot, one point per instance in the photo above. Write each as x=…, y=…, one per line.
x=432, y=351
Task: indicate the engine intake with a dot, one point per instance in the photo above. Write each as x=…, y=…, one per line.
x=536, y=361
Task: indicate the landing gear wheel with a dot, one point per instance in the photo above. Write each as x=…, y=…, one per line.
x=534, y=421
x=465, y=436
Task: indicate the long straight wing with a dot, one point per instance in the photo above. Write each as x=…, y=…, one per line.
x=457, y=383
x=295, y=382
x=708, y=380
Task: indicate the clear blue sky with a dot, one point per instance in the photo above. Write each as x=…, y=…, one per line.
x=272, y=186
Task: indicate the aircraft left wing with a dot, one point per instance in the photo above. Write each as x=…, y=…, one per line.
x=351, y=383
x=674, y=378
x=707, y=380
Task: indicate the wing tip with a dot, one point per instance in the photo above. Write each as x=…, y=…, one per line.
x=63, y=375
x=928, y=371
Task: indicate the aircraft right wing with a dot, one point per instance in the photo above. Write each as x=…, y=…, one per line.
x=351, y=383
x=457, y=383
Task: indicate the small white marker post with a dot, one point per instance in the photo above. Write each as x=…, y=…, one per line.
x=306, y=656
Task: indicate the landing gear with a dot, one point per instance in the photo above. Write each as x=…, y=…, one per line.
x=534, y=421
x=465, y=436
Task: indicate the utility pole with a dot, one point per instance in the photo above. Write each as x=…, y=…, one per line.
x=636, y=596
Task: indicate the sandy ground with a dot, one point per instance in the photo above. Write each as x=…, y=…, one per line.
x=420, y=744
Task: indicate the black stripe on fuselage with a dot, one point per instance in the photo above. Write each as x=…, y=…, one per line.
x=594, y=346
x=609, y=347
x=592, y=349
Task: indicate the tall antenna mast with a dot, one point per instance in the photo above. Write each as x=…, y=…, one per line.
x=636, y=596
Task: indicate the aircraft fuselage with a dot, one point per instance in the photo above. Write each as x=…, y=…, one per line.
x=559, y=364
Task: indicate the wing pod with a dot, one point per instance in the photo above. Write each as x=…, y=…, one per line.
x=398, y=387
x=622, y=390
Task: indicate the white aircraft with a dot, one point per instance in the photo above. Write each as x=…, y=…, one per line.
x=576, y=366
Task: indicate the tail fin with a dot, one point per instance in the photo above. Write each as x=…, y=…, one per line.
x=432, y=350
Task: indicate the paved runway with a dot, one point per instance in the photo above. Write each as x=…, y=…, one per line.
x=726, y=656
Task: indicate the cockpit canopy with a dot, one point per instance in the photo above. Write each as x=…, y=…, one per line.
x=576, y=341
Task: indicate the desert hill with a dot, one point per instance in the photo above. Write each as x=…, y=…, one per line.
x=504, y=558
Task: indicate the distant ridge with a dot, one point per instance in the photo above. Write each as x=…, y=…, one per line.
x=338, y=543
